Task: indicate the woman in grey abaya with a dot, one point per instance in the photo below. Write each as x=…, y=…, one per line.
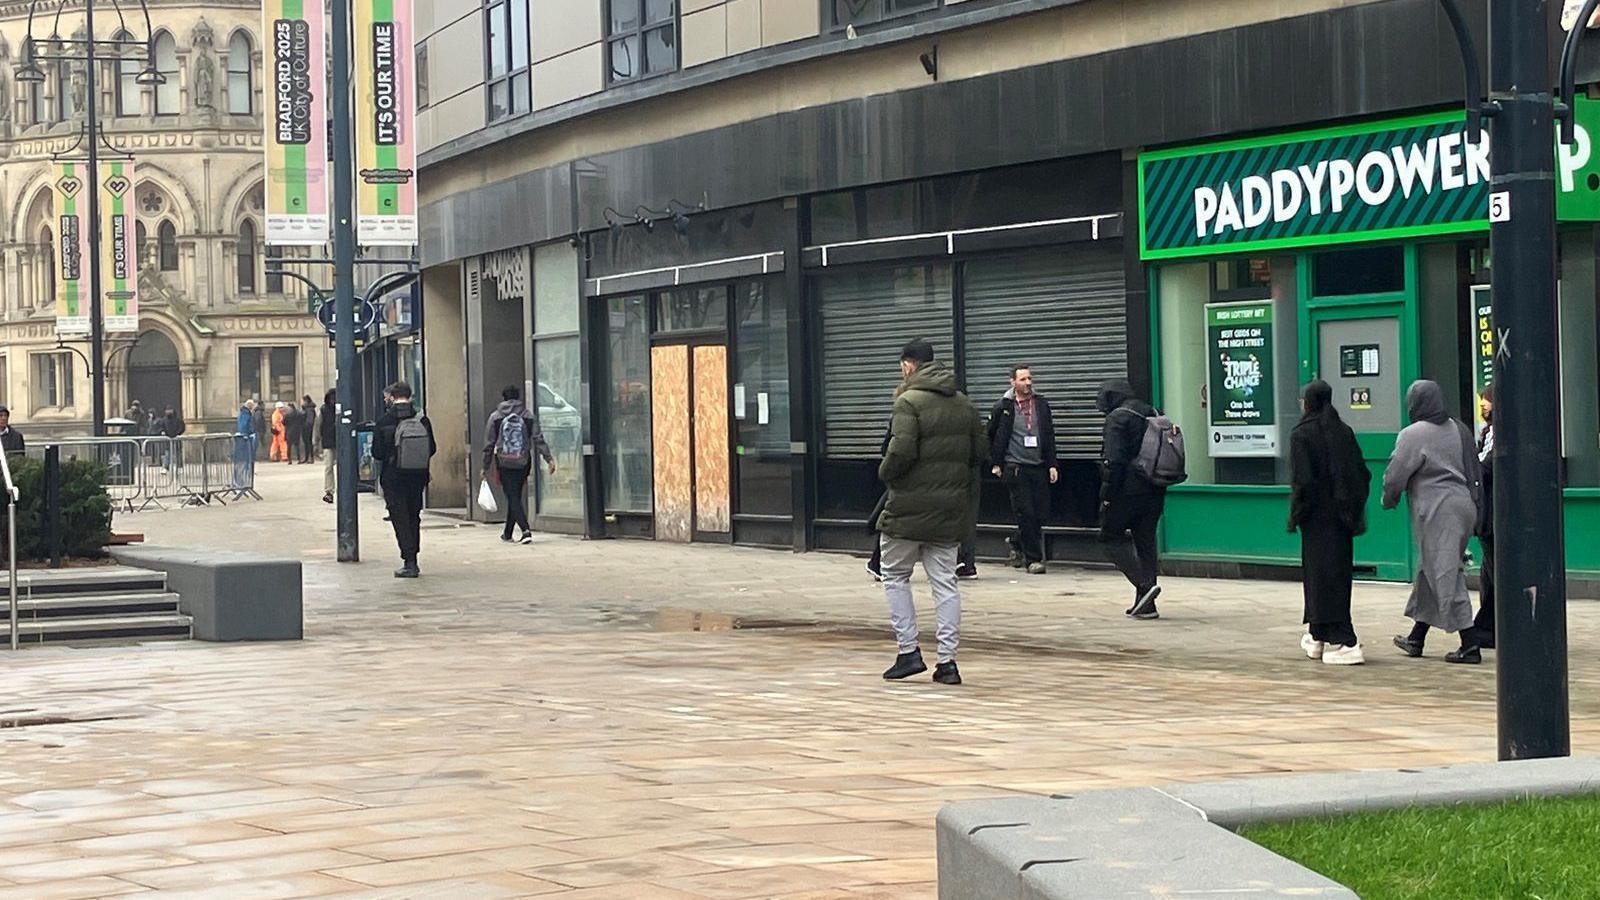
x=1435, y=463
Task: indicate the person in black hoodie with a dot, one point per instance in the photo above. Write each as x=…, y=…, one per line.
x=402, y=490
x=329, y=435
x=308, y=428
x=1022, y=454
x=1130, y=505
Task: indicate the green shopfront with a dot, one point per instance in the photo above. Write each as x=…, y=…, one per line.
x=1357, y=254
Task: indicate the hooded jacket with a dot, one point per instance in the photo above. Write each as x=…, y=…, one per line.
x=383, y=444
x=1003, y=420
x=936, y=442
x=1120, y=441
x=326, y=427
x=515, y=409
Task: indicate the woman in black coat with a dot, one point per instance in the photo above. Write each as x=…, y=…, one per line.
x=1330, y=483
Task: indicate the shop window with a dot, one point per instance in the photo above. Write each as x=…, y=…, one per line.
x=558, y=383
x=241, y=93
x=1580, y=375
x=629, y=486
x=641, y=38
x=866, y=319
x=692, y=309
x=508, y=78
x=1367, y=270
x=269, y=373
x=51, y=376
x=167, y=93
x=843, y=13
x=761, y=396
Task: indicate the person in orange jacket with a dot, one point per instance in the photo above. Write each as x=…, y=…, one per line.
x=280, y=440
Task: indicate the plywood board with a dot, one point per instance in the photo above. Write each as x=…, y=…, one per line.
x=713, y=499
x=669, y=406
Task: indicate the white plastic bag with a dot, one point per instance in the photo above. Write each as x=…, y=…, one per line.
x=486, y=497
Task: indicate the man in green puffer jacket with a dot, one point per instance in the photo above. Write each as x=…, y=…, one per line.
x=936, y=442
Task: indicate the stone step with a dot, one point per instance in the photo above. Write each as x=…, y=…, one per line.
x=151, y=626
x=97, y=580
x=88, y=605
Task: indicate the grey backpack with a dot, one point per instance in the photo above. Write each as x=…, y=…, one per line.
x=1161, y=460
x=411, y=450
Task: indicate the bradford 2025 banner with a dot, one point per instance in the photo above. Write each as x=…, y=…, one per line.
x=119, y=275
x=72, y=248
x=386, y=148
x=297, y=123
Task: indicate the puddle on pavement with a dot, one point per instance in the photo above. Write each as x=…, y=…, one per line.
x=675, y=619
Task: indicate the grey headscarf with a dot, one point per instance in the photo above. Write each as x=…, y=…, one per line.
x=1425, y=400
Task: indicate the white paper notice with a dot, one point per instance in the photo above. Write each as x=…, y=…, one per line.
x=763, y=413
x=738, y=401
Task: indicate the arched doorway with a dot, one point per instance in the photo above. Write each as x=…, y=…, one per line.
x=153, y=376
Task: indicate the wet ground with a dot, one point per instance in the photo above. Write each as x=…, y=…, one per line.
x=633, y=720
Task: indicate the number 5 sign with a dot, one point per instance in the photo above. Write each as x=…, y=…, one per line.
x=1500, y=206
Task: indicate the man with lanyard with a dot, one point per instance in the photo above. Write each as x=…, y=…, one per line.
x=1022, y=454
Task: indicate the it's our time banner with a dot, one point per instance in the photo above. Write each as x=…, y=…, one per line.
x=297, y=123
x=385, y=116
x=119, y=275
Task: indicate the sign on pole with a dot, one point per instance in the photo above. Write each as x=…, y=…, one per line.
x=1244, y=417
x=386, y=147
x=72, y=250
x=297, y=123
x=118, y=255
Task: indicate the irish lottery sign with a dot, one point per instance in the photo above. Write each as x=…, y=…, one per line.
x=1384, y=180
x=1244, y=419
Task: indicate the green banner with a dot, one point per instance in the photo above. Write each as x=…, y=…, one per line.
x=1244, y=417
x=1382, y=180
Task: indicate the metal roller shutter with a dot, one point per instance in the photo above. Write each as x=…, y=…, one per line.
x=1064, y=313
x=867, y=317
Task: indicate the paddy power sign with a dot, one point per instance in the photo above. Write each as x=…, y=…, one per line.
x=296, y=124
x=1394, y=179
x=1244, y=417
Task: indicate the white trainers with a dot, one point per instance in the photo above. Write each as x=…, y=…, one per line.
x=1311, y=646
x=1340, y=655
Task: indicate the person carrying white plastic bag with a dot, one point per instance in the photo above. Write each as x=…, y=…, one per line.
x=486, y=500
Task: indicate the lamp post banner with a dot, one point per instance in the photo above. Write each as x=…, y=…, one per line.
x=386, y=146
x=118, y=255
x=72, y=249
x=297, y=123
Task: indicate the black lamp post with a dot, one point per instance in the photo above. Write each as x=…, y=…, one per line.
x=87, y=50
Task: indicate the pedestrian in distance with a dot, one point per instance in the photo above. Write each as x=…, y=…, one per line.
x=1329, y=486
x=293, y=430
x=329, y=436
x=936, y=443
x=244, y=444
x=1022, y=454
x=1142, y=453
x=262, y=425
x=403, y=439
x=308, y=427
x=1483, y=623
x=11, y=440
x=172, y=428
x=280, y=441
x=1435, y=464
x=513, y=438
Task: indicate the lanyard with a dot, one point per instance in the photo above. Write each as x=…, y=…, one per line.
x=1027, y=414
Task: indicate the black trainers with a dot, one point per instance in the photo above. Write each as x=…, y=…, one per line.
x=966, y=573
x=527, y=538
x=905, y=666
x=1407, y=646
x=947, y=673
x=874, y=571
x=327, y=498
x=505, y=537
x=1471, y=656
x=1146, y=603
x=1148, y=614
x=1014, y=557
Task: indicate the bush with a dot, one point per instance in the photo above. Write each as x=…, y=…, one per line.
x=85, y=510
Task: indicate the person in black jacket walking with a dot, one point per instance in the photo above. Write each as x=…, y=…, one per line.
x=328, y=434
x=1130, y=505
x=1022, y=454
x=402, y=486
x=508, y=457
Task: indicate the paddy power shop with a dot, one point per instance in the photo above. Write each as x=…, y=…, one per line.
x=1357, y=254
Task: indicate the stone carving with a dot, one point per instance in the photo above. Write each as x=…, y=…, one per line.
x=205, y=66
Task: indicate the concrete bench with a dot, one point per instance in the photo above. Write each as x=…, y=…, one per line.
x=231, y=596
x=1178, y=841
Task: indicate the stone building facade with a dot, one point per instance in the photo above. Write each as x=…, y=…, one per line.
x=214, y=326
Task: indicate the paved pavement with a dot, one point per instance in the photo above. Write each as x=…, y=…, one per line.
x=617, y=719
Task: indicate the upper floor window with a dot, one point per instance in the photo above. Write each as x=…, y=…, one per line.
x=422, y=76
x=128, y=66
x=641, y=38
x=66, y=96
x=38, y=107
x=868, y=12
x=167, y=246
x=167, y=93
x=240, y=90
x=509, y=85
x=246, y=255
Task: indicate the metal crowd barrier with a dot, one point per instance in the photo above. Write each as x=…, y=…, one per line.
x=191, y=470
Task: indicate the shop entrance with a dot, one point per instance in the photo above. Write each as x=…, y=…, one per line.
x=689, y=413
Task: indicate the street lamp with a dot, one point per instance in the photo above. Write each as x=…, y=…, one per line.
x=87, y=49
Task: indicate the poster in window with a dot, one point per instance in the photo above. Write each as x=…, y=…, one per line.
x=72, y=249
x=119, y=276
x=297, y=124
x=1483, y=347
x=1243, y=415
x=386, y=146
